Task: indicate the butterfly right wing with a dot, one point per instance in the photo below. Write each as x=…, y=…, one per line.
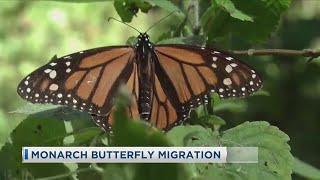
x=163, y=113
x=86, y=81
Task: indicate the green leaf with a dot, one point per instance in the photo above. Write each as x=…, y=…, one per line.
x=128, y=8
x=182, y=135
x=45, y=126
x=217, y=22
x=193, y=40
x=233, y=11
x=305, y=170
x=231, y=105
x=33, y=131
x=275, y=160
x=164, y=4
x=261, y=93
x=78, y=119
x=131, y=41
x=214, y=120
x=85, y=135
x=30, y=108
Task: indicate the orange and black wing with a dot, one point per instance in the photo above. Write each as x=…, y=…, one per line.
x=86, y=81
x=133, y=86
x=187, y=74
x=164, y=114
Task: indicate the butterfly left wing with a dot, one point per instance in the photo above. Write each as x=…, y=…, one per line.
x=86, y=81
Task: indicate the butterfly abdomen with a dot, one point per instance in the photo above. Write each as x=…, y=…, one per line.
x=144, y=100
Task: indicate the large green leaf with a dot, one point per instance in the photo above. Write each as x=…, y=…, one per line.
x=45, y=126
x=224, y=17
x=233, y=11
x=33, y=131
x=275, y=160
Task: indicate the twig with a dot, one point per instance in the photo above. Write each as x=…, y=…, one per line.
x=279, y=52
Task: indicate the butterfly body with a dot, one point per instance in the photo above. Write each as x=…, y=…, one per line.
x=146, y=74
x=166, y=81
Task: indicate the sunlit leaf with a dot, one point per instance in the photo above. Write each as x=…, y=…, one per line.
x=275, y=160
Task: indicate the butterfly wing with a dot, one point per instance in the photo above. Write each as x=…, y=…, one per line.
x=185, y=75
x=133, y=86
x=86, y=81
x=163, y=114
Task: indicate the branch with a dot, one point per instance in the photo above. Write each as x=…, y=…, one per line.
x=280, y=52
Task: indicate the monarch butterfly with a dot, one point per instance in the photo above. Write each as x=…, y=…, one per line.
x=166, y=81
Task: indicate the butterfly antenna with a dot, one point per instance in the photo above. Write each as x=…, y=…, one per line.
x=162, y=19
x=123, y=23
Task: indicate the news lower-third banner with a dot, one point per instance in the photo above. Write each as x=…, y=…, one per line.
x=140, y=155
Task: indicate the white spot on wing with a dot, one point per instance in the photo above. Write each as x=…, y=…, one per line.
x=68, y=63
x=28, y=90
x=54, y=87
x=214, y=65
x=53, y=64
x=214, y=58
x=227, y=81
x=254, y=75
x=229, y=58
x=228, y=68
x=53, y=74
x=233, y=65
x=68, y=70
x=47, y=70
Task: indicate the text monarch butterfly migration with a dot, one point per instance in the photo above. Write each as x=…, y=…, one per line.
x=166, y=81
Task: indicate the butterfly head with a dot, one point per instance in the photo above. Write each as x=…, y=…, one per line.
x=143, y=39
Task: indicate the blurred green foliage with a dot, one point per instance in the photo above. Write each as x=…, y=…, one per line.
x=32, y=32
